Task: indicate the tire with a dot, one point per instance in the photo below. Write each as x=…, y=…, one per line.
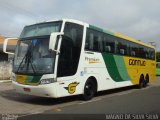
x=89, y=90
x=146, y=80
x=142, y=82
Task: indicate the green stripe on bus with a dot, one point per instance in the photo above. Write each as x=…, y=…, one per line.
x=101, y=30
x=96, y=28
x=112, y=67
x=33, y=79
x=116, y=67
x=36, y=79
x=121, y=67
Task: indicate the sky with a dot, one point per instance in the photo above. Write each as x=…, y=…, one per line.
x=139, y=19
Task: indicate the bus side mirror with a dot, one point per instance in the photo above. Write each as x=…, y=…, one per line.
x=6, y=46
x=53, y=41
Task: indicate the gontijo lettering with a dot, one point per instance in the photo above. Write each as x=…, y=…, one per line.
x=137, y=62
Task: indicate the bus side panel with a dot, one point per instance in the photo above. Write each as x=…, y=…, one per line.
x=109, y=70
x=116, y=68
x=94, y=66
x=136, y=67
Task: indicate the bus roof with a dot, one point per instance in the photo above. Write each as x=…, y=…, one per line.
x=65, y=19
x=101, y=30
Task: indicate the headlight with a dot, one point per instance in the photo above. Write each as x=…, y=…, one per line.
x=47, y=81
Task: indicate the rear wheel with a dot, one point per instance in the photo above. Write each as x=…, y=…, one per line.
x=146, y=80
x=89, y=89
x=142, y=82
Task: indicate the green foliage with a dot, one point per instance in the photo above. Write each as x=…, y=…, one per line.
x=158, y=71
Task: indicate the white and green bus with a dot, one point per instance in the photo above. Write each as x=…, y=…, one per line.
x=69, y=57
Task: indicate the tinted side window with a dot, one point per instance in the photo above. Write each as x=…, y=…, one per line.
x=134, y=50
x=122, y=47
x=103, y=42
x=109, y=43
x=151, y=54
x=94, y=41
x=141, y=51
x=70, y=50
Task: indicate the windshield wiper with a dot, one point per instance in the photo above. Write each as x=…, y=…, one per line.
x=28, y=56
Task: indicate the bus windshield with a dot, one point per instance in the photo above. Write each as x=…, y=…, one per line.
x=32, y=55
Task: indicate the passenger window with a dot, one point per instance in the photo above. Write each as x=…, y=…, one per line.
x=109, y=44
x=100, y=42
x=122, y=51
x=152, y=54
x=141, y=52
x=94, y=41
x=122, y=48
x=134, y=50
x=107, y=48
x=133, y=53
x=146, y=53
x=89, y=41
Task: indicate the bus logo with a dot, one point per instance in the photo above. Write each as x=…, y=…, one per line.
x=71, y=87
x=92, y=60
x=137, y=62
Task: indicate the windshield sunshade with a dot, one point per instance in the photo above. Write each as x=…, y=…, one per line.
x=41, y=29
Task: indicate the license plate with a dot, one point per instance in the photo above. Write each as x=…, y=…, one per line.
x=27, y=89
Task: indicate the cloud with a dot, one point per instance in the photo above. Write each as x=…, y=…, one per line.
x=136, y=18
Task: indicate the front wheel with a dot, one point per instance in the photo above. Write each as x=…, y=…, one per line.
x=89, y=90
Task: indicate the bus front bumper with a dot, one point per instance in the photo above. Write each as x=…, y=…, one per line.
x=47, y=90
